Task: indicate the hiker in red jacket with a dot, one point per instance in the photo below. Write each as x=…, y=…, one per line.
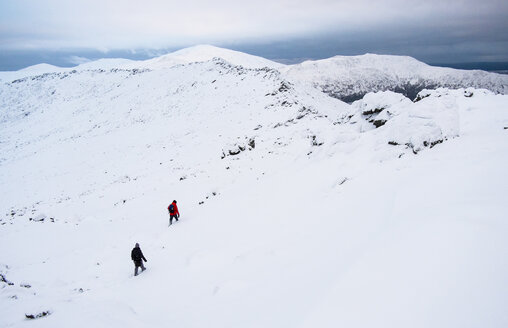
x=173, y=212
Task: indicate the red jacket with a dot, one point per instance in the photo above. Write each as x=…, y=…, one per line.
x=175, y=209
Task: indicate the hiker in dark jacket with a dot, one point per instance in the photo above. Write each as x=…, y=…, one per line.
x=173, y=212
x=137, y=256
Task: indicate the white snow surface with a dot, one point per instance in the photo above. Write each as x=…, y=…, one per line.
x=322, y=220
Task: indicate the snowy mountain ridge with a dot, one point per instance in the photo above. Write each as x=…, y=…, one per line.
x=350, y=77
x=297, y=209
x=344, y=77
x=189, y=55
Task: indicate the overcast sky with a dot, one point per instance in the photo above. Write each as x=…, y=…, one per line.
x=66, y=32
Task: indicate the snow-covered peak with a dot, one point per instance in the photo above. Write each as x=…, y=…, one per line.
x=365, y=66
x=350, y=77
x=348, y=65
x=41, y=68
x=201, y=53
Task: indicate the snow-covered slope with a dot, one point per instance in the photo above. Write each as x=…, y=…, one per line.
x=297, y=210
x=350, y=77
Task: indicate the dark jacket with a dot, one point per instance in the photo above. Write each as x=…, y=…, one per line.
x=137, y=255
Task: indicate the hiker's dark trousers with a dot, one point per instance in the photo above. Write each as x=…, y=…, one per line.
x=171, y=217
x=137, y=265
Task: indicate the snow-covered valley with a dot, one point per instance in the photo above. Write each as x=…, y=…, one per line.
x=297, y=209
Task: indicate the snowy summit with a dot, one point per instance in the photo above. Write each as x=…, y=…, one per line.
x=350, y=192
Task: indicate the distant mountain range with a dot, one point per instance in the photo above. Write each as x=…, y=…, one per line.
x=347, y=78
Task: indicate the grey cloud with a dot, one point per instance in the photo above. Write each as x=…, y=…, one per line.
x=432, y=30
x=159, y=24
